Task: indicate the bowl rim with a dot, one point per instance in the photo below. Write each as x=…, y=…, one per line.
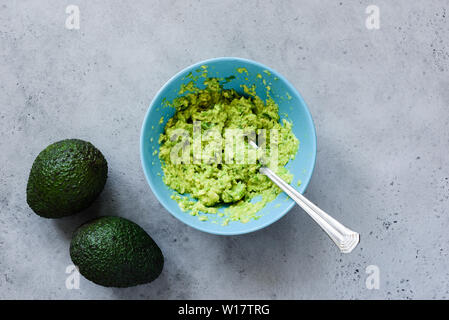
x=155, y=191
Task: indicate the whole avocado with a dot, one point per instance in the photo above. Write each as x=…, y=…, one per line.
x=115, y=252
x=66, y=177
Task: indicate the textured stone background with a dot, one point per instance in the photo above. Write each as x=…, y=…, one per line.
x=379, y=99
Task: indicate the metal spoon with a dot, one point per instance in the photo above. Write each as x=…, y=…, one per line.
x=345, y=239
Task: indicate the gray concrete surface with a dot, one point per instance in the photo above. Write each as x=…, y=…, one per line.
x=379, y=99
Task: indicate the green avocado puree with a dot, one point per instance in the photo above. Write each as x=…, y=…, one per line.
x=237, y=187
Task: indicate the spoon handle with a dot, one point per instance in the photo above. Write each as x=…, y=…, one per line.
x=345, y=239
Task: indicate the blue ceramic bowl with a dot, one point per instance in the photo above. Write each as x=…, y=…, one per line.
x=291, y=106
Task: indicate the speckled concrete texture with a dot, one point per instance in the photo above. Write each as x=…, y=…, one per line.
x=379, y=99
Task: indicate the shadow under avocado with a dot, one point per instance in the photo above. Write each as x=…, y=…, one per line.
x=103, y=205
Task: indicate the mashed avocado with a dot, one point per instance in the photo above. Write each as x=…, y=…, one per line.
x=207, y=172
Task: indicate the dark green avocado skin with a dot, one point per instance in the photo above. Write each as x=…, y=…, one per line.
x=66, y=177
x=115, y=252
